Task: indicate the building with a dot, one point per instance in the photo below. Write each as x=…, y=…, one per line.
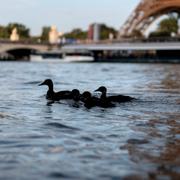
x=94, y=32
x=97, y=30
x=90, y=32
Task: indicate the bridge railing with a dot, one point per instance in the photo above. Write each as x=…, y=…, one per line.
x=131, y=40
x=114, y=41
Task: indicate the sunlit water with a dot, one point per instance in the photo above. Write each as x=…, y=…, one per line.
x=139, y=140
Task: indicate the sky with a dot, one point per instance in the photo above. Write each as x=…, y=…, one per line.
x=65, y=14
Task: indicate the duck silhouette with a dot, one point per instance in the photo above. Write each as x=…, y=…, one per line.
x=75, y=93
x=91, y=101
x=55, y=96
x=88, y=100
x=115, y=98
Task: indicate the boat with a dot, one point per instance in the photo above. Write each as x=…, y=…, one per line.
x=36, y=58
x=83, y=56
x=48, y=56
x=54, y=56
x=78, y=58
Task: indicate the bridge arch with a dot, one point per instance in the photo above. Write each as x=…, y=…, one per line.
x=19, y=51
x=150, y=17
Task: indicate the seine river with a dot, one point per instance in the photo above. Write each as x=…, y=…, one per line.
x=137, y=140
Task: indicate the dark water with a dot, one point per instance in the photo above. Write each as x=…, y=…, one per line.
x=137, y=140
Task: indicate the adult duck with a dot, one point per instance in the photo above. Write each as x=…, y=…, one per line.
x=55, y=96
x=115, y=98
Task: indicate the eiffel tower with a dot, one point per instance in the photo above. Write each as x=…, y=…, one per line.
x=147, y=12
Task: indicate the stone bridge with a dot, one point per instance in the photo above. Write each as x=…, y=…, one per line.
x=20, y=50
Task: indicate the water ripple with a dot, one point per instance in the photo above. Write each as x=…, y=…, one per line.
x=138, y=140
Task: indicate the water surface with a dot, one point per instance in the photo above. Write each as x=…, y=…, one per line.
x=139, y=140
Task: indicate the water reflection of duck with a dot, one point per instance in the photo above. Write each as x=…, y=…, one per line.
x=115, y=98
x=55, y=96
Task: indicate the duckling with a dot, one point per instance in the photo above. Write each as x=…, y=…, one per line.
x=75, y=95
x=55, y=96
x=117, y=98
x=88, y=100
x=91, y=101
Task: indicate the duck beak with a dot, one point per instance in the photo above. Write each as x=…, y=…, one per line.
x=41, y=84
x=97, y=90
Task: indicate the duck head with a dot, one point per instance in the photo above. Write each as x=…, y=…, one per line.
x=101, y=89
x=85, y=96
x=47, y=82
x=75, y=94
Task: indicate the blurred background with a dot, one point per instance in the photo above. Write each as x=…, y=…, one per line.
x=45, y=29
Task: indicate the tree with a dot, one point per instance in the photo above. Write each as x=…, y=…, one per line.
x=23, y=31
x=166, y=27
x=159, y=34
x=3, y=32
x=76, y=33
x=45, y=33
x=105, y=31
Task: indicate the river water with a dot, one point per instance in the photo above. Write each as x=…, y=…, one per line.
x=136, y=140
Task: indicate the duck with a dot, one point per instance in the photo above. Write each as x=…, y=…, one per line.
x=88, y=100
x=115, y=98
x=76, y=96
x=55, y=96
x=92, y=101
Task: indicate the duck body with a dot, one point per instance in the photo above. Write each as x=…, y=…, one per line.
x=55, y=96
x=120, y=98
x=105, y=103
x=117, y=98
